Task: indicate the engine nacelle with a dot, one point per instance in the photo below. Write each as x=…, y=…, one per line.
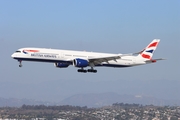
x=80, y=62
x=61, y=65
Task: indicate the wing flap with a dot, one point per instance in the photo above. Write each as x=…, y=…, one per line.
x=99, y=60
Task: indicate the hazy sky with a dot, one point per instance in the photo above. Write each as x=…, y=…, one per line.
x=103, y=26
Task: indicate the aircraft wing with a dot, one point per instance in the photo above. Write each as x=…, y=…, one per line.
x=99, y=60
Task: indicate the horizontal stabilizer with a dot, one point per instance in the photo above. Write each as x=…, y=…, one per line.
x=154, y=60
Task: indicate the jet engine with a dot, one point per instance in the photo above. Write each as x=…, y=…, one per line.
x=80, y=62
x=61, y=65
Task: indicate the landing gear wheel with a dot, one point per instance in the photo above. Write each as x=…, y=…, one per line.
x=82, y=70
x=20, y=65
x=92, y=70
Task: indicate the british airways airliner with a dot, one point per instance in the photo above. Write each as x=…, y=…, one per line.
x=83, y=59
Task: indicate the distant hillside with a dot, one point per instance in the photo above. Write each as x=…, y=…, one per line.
x=92, y=100
x=13, y=102
x=104, y=99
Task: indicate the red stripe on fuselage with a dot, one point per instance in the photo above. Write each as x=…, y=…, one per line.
x=31, y=50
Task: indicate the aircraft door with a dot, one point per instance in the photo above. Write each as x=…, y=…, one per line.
x=133, y=60
x=62, y=55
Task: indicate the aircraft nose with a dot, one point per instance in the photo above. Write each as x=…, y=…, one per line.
x=12, y=55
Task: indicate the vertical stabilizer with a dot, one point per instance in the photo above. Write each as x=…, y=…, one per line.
x=147, y=53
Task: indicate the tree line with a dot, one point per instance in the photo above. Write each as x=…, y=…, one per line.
x=44, y=107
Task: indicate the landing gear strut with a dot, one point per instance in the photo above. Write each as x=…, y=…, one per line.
x=92, y=70
x=20, y=63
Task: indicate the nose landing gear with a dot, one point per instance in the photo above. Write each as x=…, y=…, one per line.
x=20, y=63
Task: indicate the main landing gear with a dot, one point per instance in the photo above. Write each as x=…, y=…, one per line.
x=20, y=63
x=89, y=70
x=82, y=70
x=92, y=70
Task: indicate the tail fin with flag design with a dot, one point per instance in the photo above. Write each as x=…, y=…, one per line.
x=147, y=53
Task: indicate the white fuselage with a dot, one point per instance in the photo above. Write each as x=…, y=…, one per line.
x=82, y=59
x=67, y=56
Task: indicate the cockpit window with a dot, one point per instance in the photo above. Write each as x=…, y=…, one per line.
x=18, y=51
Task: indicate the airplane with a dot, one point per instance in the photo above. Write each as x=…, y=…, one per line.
x=83, y=59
